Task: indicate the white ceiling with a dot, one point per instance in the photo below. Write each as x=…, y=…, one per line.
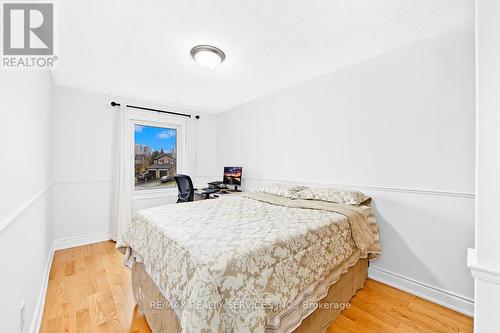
x=140, y=48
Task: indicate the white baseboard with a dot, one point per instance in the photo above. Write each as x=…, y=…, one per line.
x=434, y=294
x=65, y=243
x=37, y=315
x=59, y=244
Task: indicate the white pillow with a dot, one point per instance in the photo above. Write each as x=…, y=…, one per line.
x=282, y=190
x=333, y=195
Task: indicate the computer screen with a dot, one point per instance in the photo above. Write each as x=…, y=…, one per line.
x=232, y=176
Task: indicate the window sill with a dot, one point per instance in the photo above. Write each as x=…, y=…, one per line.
x=154, y=194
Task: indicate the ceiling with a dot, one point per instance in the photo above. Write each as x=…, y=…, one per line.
x=140, y=48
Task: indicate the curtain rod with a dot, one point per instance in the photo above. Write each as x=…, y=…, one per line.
x=155, y=110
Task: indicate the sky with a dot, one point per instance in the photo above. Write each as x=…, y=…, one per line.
x=156, y=137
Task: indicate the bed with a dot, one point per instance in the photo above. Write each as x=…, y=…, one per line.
x=254, y=262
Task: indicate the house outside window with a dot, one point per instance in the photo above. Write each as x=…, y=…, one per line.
x=155, y=150
x=158, y=148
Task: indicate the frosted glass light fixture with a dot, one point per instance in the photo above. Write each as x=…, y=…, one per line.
x=207, y=57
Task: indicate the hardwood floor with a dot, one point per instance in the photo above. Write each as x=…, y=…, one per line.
x=89, y=291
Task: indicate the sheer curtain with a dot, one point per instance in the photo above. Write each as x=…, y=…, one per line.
x=121, y=205
x=191, y=133
x=122, y=187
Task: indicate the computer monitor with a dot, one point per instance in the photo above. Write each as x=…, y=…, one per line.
x=232, y=176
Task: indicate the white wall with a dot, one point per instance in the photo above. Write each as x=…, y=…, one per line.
x=401, y=128
x=485, y=261
x=25, y=233
x=84, y=125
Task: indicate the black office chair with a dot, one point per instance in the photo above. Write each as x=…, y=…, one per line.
x=186, y=188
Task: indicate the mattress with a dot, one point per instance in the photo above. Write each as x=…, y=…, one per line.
x=233, y=263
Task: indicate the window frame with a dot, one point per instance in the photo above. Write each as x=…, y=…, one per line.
x=162, y=121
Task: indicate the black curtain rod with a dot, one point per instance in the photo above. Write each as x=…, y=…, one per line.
x=155, y=110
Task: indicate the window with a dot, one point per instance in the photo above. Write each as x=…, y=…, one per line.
x=155, y=150
x=158, y=147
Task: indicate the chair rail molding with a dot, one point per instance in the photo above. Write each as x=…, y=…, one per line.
x=81, y=181
x=21, y=209
x=481, y=272
x=368, y=187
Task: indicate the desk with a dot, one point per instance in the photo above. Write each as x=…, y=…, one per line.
x=202, y=195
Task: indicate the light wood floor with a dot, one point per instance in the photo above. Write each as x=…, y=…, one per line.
x=90, y=291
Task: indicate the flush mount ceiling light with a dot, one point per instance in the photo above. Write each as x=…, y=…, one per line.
x=207, y=57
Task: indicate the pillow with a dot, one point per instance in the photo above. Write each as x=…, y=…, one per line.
x=282, y=190
x=333, y=195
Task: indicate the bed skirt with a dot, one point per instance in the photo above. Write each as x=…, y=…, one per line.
x=162, y=319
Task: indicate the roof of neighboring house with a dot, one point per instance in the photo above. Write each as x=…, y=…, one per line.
x=162, y=155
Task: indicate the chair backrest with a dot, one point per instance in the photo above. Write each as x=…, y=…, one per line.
x=186, y=188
